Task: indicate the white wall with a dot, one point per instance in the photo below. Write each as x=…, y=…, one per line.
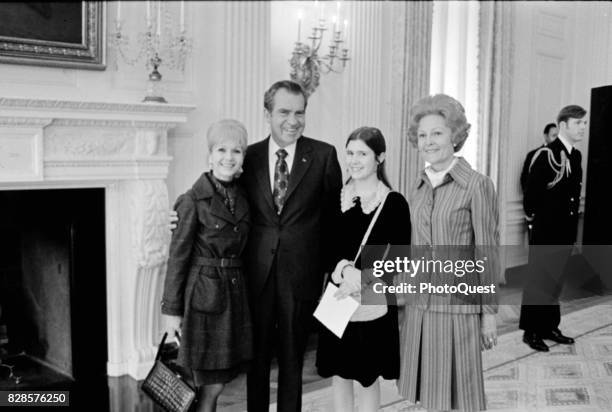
x=561, y=51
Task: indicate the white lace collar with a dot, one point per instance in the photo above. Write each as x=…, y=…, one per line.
x=369, y=204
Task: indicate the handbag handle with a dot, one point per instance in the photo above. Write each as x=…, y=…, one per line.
x=161, y=344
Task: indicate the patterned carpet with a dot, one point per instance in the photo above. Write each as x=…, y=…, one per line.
x=568, y=378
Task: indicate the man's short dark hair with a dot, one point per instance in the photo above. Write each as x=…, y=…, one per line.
x=570, y=112
x=548, y=127
x=290, y=86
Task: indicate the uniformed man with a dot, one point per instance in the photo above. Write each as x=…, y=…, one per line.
x=551, y=201
x=550, y=133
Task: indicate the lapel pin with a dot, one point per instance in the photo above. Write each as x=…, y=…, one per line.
x=304, y=159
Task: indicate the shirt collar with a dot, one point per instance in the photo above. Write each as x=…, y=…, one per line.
x=460, y=173
x=273, y=148
x=566, y=143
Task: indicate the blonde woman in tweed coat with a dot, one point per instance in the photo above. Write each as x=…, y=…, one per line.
x=451, y=204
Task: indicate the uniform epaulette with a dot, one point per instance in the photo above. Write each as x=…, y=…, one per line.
x=560, y=168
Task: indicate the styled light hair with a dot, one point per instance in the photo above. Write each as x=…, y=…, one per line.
x=227, y=129
x=443, y=105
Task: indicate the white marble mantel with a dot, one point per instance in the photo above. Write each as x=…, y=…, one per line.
x=121, y=147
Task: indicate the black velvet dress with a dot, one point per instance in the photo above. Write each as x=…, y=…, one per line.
x=367, y=349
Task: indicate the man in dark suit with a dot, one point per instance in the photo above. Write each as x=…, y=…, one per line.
x=551, y=202
x=293, y=185
x=550, y=133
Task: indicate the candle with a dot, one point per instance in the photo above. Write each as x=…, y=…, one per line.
x=148, y=14
x=182, y=15
x=322, y=15
x=334, y=20
x=299, y=25
x=159, y=18
x=345, y=31
x=118, y=11
x=338, y=10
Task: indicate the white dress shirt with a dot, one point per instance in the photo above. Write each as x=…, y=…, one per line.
x=272, y=158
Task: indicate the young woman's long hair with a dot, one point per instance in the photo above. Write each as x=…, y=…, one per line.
x=375, y=140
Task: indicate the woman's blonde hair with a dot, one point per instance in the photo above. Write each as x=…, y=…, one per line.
x=226, y=129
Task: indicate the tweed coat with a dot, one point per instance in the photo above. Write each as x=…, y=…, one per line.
x=208, y=292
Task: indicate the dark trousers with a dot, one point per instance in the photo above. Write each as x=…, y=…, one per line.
x=540, y=311
x=280, y=322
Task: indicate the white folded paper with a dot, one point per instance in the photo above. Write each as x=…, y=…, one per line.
x=335, y=314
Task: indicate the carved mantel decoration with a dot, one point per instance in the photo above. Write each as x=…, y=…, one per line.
x=121, y=147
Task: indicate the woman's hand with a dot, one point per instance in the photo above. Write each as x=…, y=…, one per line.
x=172, y=220
x=488, y=331
x=171, y=324
x=337, y=273
x=351, y=282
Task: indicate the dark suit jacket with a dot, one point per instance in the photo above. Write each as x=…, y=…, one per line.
x=301, y=235
x=554, y=208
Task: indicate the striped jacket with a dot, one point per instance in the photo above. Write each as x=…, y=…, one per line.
x=461, y=211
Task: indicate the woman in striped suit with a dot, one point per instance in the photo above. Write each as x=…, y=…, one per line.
x=451, y=205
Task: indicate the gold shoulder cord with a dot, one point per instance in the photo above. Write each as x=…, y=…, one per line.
x=560, y=168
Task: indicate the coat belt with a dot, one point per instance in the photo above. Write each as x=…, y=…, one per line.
x=218, y=262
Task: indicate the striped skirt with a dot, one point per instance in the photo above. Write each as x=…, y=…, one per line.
x=441, y=361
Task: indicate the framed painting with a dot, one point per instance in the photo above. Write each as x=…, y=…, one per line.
x=61, y=34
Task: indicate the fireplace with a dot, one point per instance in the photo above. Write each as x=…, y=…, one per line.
x=53, y=290
x=111, y=159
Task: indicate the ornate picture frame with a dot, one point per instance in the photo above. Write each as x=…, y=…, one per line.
x=69, y=34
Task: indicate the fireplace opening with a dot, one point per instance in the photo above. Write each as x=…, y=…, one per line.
x=53, y=327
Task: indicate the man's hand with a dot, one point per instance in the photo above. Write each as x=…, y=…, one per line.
x=488, y=331
x=172, y=220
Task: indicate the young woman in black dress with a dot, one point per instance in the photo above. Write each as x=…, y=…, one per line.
x=369, y=347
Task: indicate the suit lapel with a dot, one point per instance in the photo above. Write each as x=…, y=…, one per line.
x=301, y=163
x=262, y=172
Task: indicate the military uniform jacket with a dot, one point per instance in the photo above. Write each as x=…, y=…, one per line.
x=552, y=194
x=209, y=293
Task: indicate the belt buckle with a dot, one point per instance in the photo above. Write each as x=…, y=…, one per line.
x=224, y=262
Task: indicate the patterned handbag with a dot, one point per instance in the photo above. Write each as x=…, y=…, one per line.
x=166, y=387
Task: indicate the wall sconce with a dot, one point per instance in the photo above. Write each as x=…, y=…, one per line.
x=159, y=46
x=306, y=63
